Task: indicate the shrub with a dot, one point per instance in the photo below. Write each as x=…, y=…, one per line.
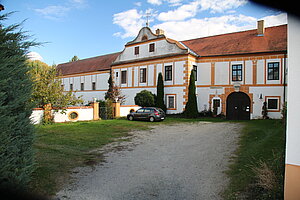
x=144, y=98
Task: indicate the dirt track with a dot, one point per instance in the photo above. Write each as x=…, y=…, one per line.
x=183, y=161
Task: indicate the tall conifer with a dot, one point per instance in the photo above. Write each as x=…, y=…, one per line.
x=16, y=131
x=191, y=108
x=160, y=93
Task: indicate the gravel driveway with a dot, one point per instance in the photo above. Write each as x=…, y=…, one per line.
x=182, y=161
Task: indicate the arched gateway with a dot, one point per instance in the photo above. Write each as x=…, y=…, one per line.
x=238, y=106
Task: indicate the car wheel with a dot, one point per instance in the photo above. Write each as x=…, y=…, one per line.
x=130, y=118
x=151, y=119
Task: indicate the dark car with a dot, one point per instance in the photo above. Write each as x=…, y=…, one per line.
x=149, y=113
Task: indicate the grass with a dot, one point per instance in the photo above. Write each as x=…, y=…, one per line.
x=259, y=158
x=62, y=147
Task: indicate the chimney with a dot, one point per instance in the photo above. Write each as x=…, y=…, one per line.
x=160, y=32
x=260, y=28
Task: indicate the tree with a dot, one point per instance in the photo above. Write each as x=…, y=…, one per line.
x=114, y=93
x=160, y=93
x=16, y=131
x=74, y=58
x=48, y=88
x=191, y=108
x=144, y=98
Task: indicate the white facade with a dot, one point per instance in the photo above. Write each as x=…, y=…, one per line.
x=137, y=67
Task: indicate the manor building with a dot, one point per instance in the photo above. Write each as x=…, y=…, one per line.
x=235, y=72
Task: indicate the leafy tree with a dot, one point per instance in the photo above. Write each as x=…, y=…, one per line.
x=16, y=131
x=144, y=98
x=160, y=93
x=48, y=89
x=114, y=93
x=74, y=58
x=191, y=108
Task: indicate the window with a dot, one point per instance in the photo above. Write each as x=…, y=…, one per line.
x=151, y=47
x=71, y=87
x=123, y=77
x=171, y=102
x=145, y=37
x=195, y=71
x=148, y=110
x=136, y=50
x=272, y=104
x=143, y=75
x=93, y=86
x=237, y=71
x=168, y=73
x=82, y=86
x=273, y=71
x=216, y=103
x=140, y=110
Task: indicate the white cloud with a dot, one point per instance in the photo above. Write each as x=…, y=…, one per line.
x=191, y=9
x=195, y=28
x=53, y=12
x=219, y=6
x=139, y=4
x=275, y=20
x=155, y=2
x=181, y=13
x=131, y=21
x=56, y=12
x=34, y=56
x=170, y=2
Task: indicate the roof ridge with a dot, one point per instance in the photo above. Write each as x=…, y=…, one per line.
x=231, y=33
x=89, y=58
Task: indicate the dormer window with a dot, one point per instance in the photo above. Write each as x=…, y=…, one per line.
x=145, y=37
x=136, y=50
x=151, y=47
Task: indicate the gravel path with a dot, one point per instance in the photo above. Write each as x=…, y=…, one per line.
x=182, y=161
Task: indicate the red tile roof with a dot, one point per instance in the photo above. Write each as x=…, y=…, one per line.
x=274, y=40
x=99, y=63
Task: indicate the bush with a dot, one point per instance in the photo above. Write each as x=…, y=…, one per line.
x=144, y=98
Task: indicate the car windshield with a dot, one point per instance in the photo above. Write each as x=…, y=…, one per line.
x=140, y=110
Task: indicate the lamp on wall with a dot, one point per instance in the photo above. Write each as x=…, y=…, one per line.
x=260, y=96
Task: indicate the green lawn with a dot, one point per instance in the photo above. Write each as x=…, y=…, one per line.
x=61, y=147
x=261, y=146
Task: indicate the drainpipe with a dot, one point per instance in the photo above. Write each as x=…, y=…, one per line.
x=284, y=78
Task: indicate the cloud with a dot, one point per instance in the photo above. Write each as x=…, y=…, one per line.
x=219, y=6
x=170, y=2
x=181, y=13
x=53, y=12
x=195, y=28
x=139, y=4
x=275, y=20
x=155, y=2
x=131, y=21
x=191, y=9
x=34, y=56
x=56, y=12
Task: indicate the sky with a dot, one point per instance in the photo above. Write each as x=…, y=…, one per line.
x=88, y=28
